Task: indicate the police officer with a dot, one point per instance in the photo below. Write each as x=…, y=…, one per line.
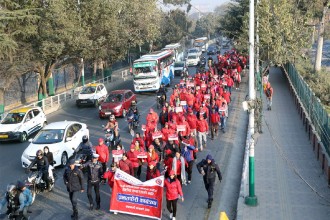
x=86, y=147
x=73, y=179
x=208, y=168
x=42, y=165
x=95, y=172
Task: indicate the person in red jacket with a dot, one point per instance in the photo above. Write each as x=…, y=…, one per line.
x=152, y=171
x=103, y=152
x=202, y=130
x=139, y=139
x=152, y=155
x=110, y=175
x=173, y=191
x=226, y=96
x=132, y=156
x=214, y=119
x=126, y=165
x=187, y=130
x=179, y=165
x=192, y=121
x=152, y=117
x=168, y=158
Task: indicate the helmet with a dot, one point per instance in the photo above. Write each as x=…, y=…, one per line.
x=111, y=118
x=10, y=189
x=39, y=153
x=85, y=139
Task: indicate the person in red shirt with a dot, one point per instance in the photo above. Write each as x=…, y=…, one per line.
x=152, y=117
x=139, y=139
x=186, y=124
x=226, y=96
x=192, y=121
x=168, y=158
x=103, y=152
x=179, y=165
x=152, y=155
x=126, y=165
x=202, y=130
x=214, y=119
x=173, y=191
x=132, y=156
x=152, y=171
x=110, y=175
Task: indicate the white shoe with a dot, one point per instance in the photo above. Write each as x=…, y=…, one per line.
x=189, y=181
x=171, y=216
x=115, y=213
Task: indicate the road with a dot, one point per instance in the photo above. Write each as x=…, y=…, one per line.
x=227, y=149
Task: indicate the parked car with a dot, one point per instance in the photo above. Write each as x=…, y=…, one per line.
x=20, y=123
x=179, y=67
x=193, y=60
x=61, y=138
x=91, y=94
x=117, y=103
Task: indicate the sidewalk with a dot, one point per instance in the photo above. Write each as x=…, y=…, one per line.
x=289, y=182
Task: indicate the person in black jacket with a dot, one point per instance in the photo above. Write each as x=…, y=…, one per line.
x=73, y=179
x=95, y=172
x=42, y=166
x=208, y=168
x=51, y=162
x=163, y=117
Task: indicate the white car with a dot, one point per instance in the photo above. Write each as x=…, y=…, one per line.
x=192, y=60
x=195, y=50
x=20, y=123
x=61, y=138
x=91, y=94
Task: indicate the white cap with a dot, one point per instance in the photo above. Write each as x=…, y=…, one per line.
x=96, y=156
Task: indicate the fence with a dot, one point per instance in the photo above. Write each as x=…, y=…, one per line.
x=316, y=111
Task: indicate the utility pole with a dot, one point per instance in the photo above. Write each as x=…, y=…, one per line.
x=251, y=200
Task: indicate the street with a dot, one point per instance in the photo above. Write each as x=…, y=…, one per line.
x=227, y=149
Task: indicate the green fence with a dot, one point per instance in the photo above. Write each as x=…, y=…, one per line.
x=316, y=111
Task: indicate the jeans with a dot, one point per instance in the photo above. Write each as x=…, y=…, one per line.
x=269, y=102
x=189, y=169
x=202, y=139
x=223, y=122
x=96, y=186
x=74, y=201
x=214, y=129
x=171, y=206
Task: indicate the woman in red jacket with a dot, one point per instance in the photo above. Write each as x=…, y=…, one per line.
x=132, y=156
x=110, y=175
x=173, y=191
x=152, y=155
x=152, y=171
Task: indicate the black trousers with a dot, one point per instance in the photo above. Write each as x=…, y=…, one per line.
x=189, y=169
x=45, y=176
x=137, y=171
x=74, y=201
x=171, y=206
x=209, y=186
x=96, y=186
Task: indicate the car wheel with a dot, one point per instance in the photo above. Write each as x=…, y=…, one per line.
x=96, y=103
x=124, y=113
x=23, y=137
x=64, y=159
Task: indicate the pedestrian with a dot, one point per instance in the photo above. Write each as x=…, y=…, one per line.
x=208, y=168
x=94, y=172
x=215, y=120
x=173, y=193
x=223, y=111
x=189, y=155
x=152, y=171
x=110, y=175
x=73, y=179
x=126, y=165
x=51, y=162
x=25, y=199
x=269, y=95
x=179, y=165
x=103, y=152
x=202, y=130
x=132, y=156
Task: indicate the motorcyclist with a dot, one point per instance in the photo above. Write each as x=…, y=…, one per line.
x=112, y=124
x=134, y=110
x=162, y=92
x=210, y=60
x=42, y=166
x=51, y=161
x=86, y=147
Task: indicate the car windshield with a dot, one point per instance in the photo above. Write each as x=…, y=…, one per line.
x=49, y=136
x=192, y=57
x=192, y=51
x=178, y=64
x=13, y=118
x=88, y=90
x=114, y=98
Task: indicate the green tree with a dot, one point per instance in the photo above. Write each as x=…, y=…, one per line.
x=206, y=26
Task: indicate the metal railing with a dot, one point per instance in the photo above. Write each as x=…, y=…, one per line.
x=312, y=104
x=53, y=103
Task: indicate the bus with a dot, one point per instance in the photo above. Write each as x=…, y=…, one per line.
x=152, y=70
x=177, y=49
x=202, y=43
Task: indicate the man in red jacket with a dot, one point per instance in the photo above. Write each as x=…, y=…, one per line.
x=202, y=130
x=132, y=156
x=103, y=152
x=126, y=165
x=192, y=121
x=214, y=119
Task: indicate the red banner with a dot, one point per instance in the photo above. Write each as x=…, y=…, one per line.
x=131, y=196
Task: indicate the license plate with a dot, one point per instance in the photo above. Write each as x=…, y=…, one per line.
x=83, y=102
x=3, y=136
x=107, y=113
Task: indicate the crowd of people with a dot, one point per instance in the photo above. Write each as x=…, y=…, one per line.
x=170, y=141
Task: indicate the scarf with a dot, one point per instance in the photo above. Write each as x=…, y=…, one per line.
x=183, y=172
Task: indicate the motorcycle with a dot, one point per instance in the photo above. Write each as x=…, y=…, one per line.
x=111, y=140
x=36, y=184
x=133, y=122
x=160, y=100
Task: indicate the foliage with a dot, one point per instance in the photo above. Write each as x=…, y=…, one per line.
x=206, y=26
x=176, y=2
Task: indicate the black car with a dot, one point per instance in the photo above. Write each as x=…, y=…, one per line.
x=212, y=50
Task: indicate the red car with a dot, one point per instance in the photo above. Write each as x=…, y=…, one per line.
x=117, y=102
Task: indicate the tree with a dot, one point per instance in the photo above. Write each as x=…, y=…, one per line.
x=206, y=26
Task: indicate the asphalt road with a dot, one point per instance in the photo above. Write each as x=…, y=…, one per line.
x=56, y=204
